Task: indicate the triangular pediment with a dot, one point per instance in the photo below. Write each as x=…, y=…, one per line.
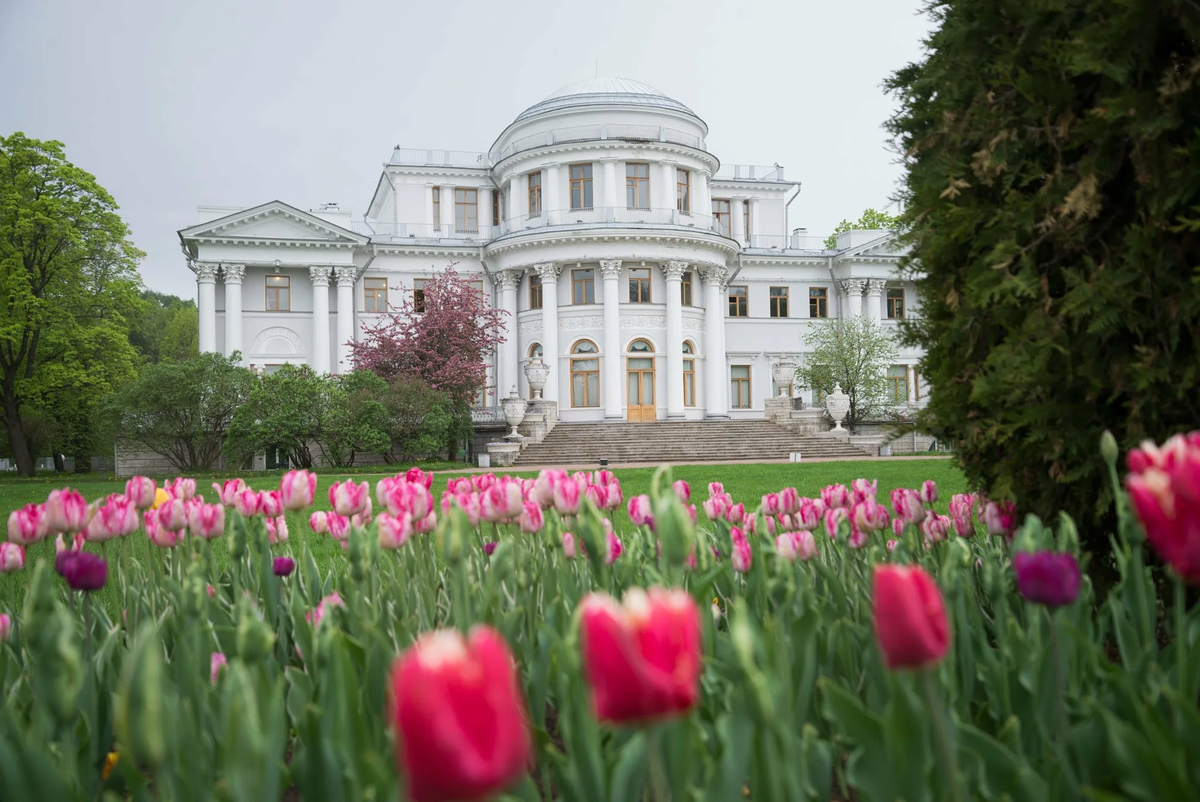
x=276, y=222
x=880, y=247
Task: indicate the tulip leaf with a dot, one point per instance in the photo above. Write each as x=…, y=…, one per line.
x=1003, y=771
x=869, y=769
x=630, y=773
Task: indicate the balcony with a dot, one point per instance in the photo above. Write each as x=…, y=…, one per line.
x=750, y=172
x=597, y=133
x=786, y=242
x=613, y=215
x=414, y=157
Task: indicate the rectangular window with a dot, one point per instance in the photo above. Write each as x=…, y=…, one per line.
x=437, y=208
x=535, y=194
x=685, y=289
x=898, y=376
x=720, y=211
x=683, y=190
x=581, y=186
x=779, y=302
x=746, y=218
x=895, y=304
x=637, y=186
x=818, y=302
x=689, y=382
x=639, y=285
x=583, y=286
x=535, y=291
x=279, y=294
x=495, y=207
x=375, y=292
x=585, y=382
x=419, y=294
x=740, y=375
x=738, y=302
x=466, y=210
x=478, y=285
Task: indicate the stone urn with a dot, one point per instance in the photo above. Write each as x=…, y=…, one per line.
x=514, y=412
x=784, y=374
x=537, y=371
x=837, y=404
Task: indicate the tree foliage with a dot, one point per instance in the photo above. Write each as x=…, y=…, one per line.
x=68, y=284
x=854, y=352
x=165, y=327
x=871, y=220
x=420, y=419
x=1053, y=210
x=181, y=410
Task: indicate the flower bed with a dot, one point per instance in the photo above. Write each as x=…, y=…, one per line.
x=514, y=639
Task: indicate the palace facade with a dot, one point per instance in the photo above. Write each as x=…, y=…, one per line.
x=656, y=282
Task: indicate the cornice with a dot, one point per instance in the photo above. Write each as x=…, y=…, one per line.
x=426, y=249
x=749, y=260
x=868, y=260
x=756, y=186
x=506, y=165
x=267, y=241
x=436, y=171
x=522, y=241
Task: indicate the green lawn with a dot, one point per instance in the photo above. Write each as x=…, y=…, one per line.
x=746, y=483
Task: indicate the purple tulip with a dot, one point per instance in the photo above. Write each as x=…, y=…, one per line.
x=489, y=547
x=284, y=566
x=82, y=569
x=1046, y=577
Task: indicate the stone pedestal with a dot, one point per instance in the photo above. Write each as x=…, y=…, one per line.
x=867, y=442
x=778, y=409
x=503, y=454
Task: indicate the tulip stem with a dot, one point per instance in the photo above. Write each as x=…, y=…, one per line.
x=658, y=772
x=1060, y=694
x=1181, y=650
x=947, y=758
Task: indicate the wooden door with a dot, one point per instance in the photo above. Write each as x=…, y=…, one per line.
x=639, y=387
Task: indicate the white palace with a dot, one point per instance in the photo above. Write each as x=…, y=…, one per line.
x=655, y=281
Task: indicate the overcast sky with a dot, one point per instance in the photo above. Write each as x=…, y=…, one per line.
x=173, y=104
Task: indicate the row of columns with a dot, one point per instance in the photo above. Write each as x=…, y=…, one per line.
x=233, y=276
x=853, y=289
x=613, y=383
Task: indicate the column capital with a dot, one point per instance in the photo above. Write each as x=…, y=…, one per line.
x=712, y=275
x=206, y=272
x=233, y=274
x=509, y=279
x=673, y=271
x=610, y=268
x=346, y=276
x=548, y=271
x=852, y=286
x=320, y=275
x=875, y=286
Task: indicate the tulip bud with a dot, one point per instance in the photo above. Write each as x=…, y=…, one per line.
x=1108, y=449
x=452, y=535
x=239, y=539
x=140, y=717
x=254, y=637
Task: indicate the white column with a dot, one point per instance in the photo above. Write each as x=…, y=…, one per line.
x=429, y=219
x=548, y=271
x=206, y=305
x=447, y=204
x=716, y=397
x=515, y=200
x=484, y=211
x=753, y=227
x=673, y=271
x=853, y=287
x=320, y=288
x=874, y=295
x=737, y=222
x=609, y=189
x=667, y=194
x=345, y=316
x=509, y=357
x=701, y=200
x=550, y=202
x=613, y=384
x=233, y=275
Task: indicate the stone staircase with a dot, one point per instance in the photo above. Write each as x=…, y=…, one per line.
x=678, y=443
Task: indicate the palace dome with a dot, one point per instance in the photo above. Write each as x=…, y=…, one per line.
x=604, y=92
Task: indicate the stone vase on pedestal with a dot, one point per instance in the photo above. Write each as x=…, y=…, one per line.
x=784, y=374
x=514, y=412
x=536, y=372
x=837, y=404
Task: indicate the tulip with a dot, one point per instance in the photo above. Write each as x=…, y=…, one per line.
x=460, y=718
x=181, y=487
x=1000, y=518
x=787, y=546
x=227, y=492
x=489, y=548
x=531, y=519
x=789, y=500
x=1047, y=578
x=928, y=492
x=771, y=504
x=910, y=617
x=417, y=476
x=682, y=490
x=598, y=495
x=639, y=511
x=906, y=504
x=297, y=489
x=736, y=514
x=835, y=496
x=936, y=528
x=807, y=515
x=319, y=522
x=76, y=543
x=869, y=516
x=317, y=614
x=66, y=511
x=393, y=532
x=566, y=497
x=12, y=557
x=206, y=520
x=863, y=489
x=271, y=503
x=613, y=496
x=833, y=521
x=615, y=549
x=426, y=524
x=277, y=530
x=715, y=508
x=28, y=524
x=141, y=491
x=339, y=526
x=215, y=664
x=858, y=538
x=568, y=545
x=891, y=545
x=1164, y=486
x=172, y=515
x=164, y=538
x=715, y=489
x=898, y=528
x=960, y=515
x=115, y=518
x=740, y=555
x=82, y=570
x=161, y=497
x=642, y=658
x=347, y=498
x=283, y=566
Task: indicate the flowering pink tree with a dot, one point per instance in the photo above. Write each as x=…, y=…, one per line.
x=444, y=336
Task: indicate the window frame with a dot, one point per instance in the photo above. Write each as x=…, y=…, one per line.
x=736, y=387
x=418, y=301
x=778, y=301
x=638, y=184
x=267, y=289
x=891, y=303
x=371, y=294
x=683, y=190
x=589, y=375
x=535, y=291
x=686, y=293
x=746, y=219
x=819, y=303
x=585, y=186
x=534, y=193
x=496, y=207
x=437, y=208
x=467, y=205
x=586, y=283
x=743, y=308
x=724, y=216
x=642, y=283
x=689, y=374
x=895, y=382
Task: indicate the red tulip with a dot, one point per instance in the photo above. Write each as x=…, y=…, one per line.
x=642, y=658
x=461, y=722
x=910, y=617
x=1164, y=484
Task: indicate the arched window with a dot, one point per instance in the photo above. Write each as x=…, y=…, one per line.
x=640, y=347
x=689, y=374
x=585, y=374
x=535, y=350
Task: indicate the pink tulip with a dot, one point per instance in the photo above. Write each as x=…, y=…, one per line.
x=1000, y=518
x=771, y=504
x=12, y=557
x=936, y=528
x=682, y=490
x=736, y=514
x=206, y=521
x=787, y=546
x=316, y=615
x=613, y=496
x=228, y=491
x=27, y=525
x=639, y=511
x=858, y=539
x=319, y=523
x=347, y=498
x=141, y=491
x=603, y=477
x=419, y=477
x=117, y=517
x=66, y=511
x=715, y=489
x=277, y=530
x=614, y=547
x=543, y=487
x=835, y=496
x=568, y=545
x=906, y=504
x=891, y=545
x=864, y=489
x=870, y=516
x=393, y=532
x=172, y=514
x=598, y=495
x=740, y=554
x=929, y=494
x=272, y=503
x=248, y=502
x=163, y=538
x=77, y=542
x=531, y=519
x=960, y=514
x=715, y=508
x=5, y=627
x=833, y=521
x=1164, y=486
x=181, y=487
x=807, y=515
x=898, y=527
x=297, y=489
x=566, y=497
x=339, y=526
x=216, y=663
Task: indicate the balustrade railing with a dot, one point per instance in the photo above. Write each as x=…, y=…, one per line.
x=439, y=158
x=611, y=215
x=786, y=242
x=488, y=416
x=597, y=133
x=750, y=172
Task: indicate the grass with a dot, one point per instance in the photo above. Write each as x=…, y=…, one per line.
x=746, y=483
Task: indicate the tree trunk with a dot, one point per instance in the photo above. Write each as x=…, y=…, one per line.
x=60, y=463
x=22, y=455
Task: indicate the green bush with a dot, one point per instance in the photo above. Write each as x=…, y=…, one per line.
x=1053, y=210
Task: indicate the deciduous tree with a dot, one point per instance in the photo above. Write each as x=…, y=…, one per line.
x=854, y=352
x=871, y=220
